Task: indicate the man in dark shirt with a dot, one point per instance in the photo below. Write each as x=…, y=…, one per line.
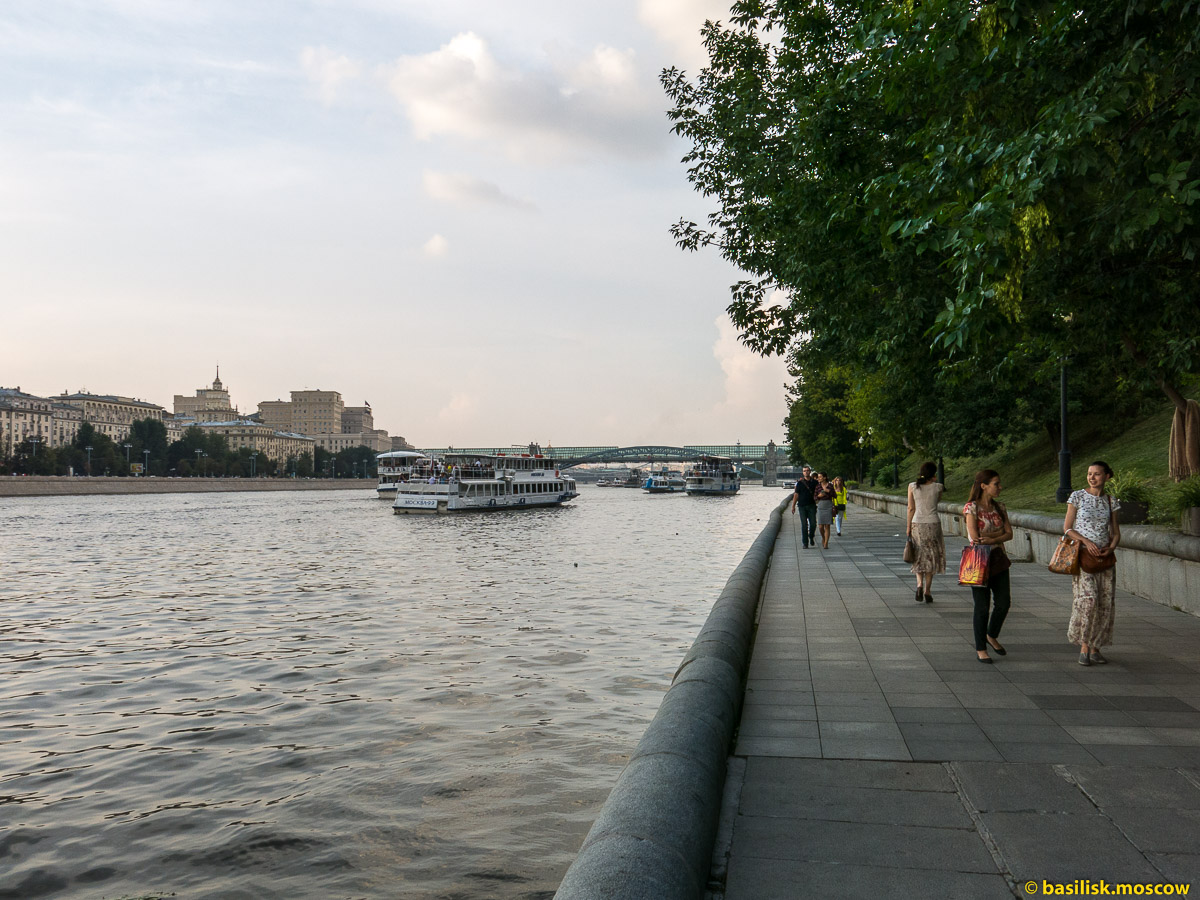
x=804, y=497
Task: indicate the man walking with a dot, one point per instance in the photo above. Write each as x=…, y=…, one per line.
x=804, y=497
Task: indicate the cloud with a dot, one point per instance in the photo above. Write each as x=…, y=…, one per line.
x=455, y=187
x=677, y=23
x=596, y=105
x=460, y=410
x=754, y=385
x=436, y=247
x=328, y=71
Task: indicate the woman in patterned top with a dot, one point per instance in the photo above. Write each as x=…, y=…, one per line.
x=987, y=523
x=1092, y=520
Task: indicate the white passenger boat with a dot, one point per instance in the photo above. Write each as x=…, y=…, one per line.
x=393, y=468
x=713, y=475
x=461, y=481
x=664, y=482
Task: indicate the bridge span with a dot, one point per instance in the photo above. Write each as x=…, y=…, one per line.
x=569, y=457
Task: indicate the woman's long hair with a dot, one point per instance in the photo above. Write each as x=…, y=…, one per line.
x=925, y=473
x=982, y=477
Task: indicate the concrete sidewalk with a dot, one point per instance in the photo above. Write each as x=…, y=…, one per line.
x=876, y=757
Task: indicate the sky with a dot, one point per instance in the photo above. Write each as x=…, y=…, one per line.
x=457, y=211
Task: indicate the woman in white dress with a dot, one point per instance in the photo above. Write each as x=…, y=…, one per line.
x=1092, y=520
x=925, y=529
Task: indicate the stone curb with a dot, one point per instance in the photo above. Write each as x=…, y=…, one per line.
x=654, y=835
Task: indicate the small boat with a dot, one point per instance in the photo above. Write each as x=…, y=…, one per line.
x=664, y=482
x=713, y=475
x=459, y=482
x=394, y=467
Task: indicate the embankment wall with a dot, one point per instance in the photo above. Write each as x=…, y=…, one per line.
x=59, y=486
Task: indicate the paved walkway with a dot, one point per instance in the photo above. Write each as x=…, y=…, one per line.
x=876, y=757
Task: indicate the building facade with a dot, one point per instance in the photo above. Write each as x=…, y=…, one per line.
x=260, y=438
x=110, y=414
x=377, y=441
x=276, y=413
x=317, y=412
x=44, y=420
x=357, y=419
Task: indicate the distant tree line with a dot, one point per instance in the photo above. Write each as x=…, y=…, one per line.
x=196, y=454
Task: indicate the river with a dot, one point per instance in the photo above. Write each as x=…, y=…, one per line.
x=304, y=695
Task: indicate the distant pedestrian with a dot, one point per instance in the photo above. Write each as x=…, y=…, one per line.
x=987, y=524
x=824, y=496
x=1092, y=520
x=925, y=529
x=804, y=498
x=839, y=502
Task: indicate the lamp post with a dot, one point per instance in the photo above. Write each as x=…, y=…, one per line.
x=88, y=448
x=871, y=468
x=253, y=457
x=146, y=468
x=127, y=445
x=860, y=459
x=941, y=475
x=199, y=453
x=895, y=469
x=1064, y=454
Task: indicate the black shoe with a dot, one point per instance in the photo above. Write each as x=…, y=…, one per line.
x=998, y=650
x=929, y=598
x=920, y=597
x=985, y=659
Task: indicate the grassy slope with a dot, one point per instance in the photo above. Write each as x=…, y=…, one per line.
x=1029, y=470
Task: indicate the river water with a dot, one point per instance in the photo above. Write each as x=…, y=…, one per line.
x=303, y=695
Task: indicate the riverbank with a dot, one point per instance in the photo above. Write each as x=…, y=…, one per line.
x=60, y=486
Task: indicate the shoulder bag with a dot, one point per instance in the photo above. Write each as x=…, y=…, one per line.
x=1065, y=560
x=910, y=551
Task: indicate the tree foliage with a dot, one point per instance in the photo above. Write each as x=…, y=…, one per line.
x=950, y=196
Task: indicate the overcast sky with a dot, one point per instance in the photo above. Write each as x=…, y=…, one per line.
x=456, y=210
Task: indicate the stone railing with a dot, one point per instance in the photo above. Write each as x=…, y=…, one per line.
x=1157, y=565
x=654, y=836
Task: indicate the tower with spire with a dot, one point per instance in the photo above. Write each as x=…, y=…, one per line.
x=211, y=404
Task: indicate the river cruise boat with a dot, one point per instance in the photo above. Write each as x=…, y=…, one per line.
x=458, y=482
x=665, y=482
x=393, y=468
x=713, y=475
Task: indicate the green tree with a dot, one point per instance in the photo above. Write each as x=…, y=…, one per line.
x=953, y=194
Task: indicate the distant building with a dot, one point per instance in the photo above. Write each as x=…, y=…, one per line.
x=110, y=414
x=259, y=438
x=399, y=443
x=276, y=413
x=25, y=416
x=211, y=404
x=378, y=441
x=317, y=412
x=357, y=419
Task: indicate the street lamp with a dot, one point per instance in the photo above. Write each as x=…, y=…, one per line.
x=88, y=448
x=871, y=431
x=146, y=468
x=127, y=446
x=253, y=457
x=199, y=453
x=1063, y=494
x=860, y=459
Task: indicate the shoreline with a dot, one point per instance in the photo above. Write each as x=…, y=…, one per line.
x=67, y=486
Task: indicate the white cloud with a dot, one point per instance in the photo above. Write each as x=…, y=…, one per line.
x=436, y=247
x=460, y=410
x=462, y=91
x=754, y=385
x=328, y=71
x=455, y=187
x=677, y=23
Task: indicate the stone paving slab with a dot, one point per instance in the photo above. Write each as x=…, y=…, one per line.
x=880, y=759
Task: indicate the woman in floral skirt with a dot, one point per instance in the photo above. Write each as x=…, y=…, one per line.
x=1092, y=520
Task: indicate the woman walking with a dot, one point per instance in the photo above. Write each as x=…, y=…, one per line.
x=839, y=502
x=824, y=495
x=1092, y=520
x=987, y=523
x=925, y=529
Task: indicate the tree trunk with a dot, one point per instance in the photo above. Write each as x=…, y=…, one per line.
x=1167, y=388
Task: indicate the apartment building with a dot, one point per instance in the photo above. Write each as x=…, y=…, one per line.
x=110, y=414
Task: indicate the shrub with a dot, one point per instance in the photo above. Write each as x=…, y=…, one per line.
x=1186, y=495
x=1129, y=487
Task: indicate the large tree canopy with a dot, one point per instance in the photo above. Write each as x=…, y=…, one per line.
x=956, y=191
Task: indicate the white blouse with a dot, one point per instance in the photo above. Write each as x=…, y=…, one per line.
x=1093, y=515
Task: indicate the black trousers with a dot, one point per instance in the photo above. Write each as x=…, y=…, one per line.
x=996, y=595
x=808, y=523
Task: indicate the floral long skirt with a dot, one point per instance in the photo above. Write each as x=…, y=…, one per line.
x=931, y=549
x=1093, y=608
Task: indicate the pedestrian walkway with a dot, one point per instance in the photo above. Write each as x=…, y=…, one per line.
x=876, y=757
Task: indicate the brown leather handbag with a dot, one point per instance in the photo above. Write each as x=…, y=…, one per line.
x=1065, y=560
x=1093, y=564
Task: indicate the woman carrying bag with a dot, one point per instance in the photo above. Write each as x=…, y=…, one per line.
x=925, y=530
x=1092, y=520
x=988, y=525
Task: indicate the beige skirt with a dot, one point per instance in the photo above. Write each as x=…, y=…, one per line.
x=931, y=549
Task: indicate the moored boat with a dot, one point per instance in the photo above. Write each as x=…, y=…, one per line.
x=459, y=482
x=664, y=482
x=713, y=475
x=394, y=467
